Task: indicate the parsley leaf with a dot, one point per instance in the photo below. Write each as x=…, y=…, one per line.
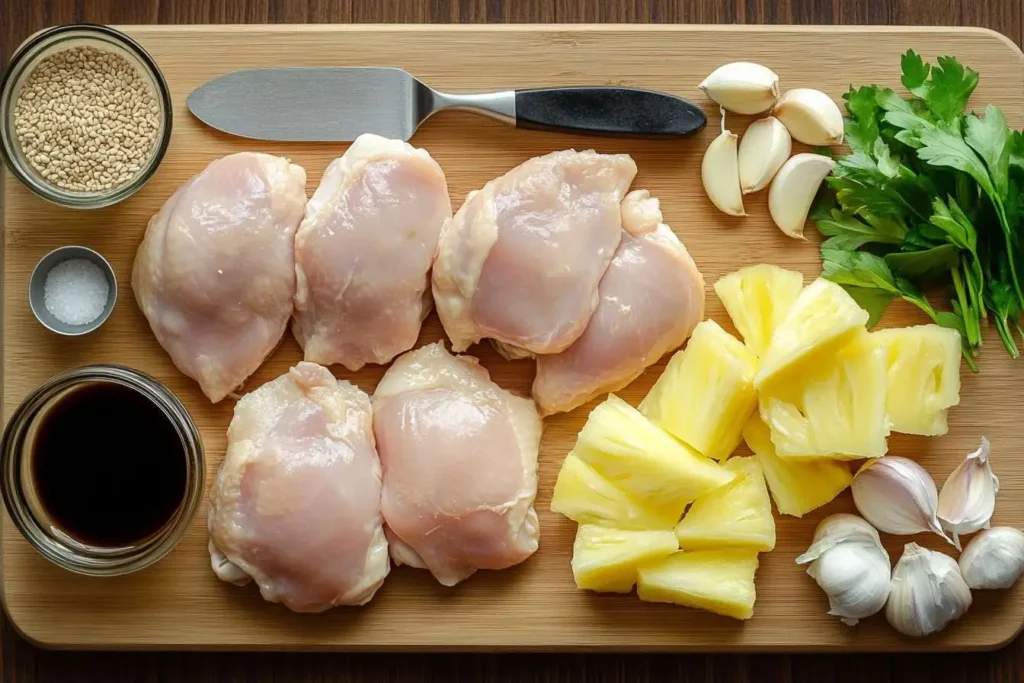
x=946, y=147
x=924, y=265
x=862, y=124
x=1017, y=149
x=990, y=138
x=850, y=232
x=915, y=73
x=949, y=88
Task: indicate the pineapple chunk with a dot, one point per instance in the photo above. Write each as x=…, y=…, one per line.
x=720, y=581
x=605, y=560
x=823, y=319
x=798, y=486
x=645, y=462
x=923, y=377
x=706, y=393
x=757, y=298
x=837, y=411
x=584, y=496
x=739, y=514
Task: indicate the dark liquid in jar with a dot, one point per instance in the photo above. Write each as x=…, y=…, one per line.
x=108, y=465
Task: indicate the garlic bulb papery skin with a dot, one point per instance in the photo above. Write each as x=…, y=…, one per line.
x=765, y=146
x=897, y=496
x=720, y=173
x=811, y=116
x=993, y=559
x=968, y=498
x=848, y=562
x=927, y=592
x=742, y=87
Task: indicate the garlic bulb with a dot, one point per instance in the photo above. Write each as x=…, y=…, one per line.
x=994, y=558
x=811, y=116
x=968, y=498
x=792, y=193
x=765, y=146
x=742, y=87
x=897, y=496
x=927, y=592
x=849, y=563
x=720, y=173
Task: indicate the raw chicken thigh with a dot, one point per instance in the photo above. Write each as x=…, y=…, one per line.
x=521, y=261
x=460, y=465
x=652, y=296
x=363, y=251
x=215, y=273
x=296, y=503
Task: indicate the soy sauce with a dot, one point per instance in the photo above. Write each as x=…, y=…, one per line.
x=107, y=465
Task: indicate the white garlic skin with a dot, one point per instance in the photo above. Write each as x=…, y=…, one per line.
x=994, y=559
x=765, y=146
x=742, y=87
x=968, y=497
x=897, y=496
x=793, y=190
x=719, y=171
x=811, y=116
x=850, y=565
x=927, y=592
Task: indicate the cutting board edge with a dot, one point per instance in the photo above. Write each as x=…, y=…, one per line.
x=913, y=646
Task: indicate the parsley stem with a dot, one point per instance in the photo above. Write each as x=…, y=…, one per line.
x=1010, y=256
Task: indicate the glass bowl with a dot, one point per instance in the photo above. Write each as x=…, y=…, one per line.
x=28, y=512
x=22, y=64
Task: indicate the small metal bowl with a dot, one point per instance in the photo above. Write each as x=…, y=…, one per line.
x=36, y=290
x=25, y=60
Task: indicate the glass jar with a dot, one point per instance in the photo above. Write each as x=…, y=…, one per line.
x=27, y=57
x=30, y=516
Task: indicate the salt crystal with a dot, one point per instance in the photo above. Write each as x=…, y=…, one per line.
x=76, y=291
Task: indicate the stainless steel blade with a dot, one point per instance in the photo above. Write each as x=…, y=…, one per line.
x=311, y=104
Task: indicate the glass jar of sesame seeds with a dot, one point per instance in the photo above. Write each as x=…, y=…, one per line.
x=85, y=115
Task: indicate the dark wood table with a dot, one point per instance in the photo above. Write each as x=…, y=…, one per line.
x=23, y=662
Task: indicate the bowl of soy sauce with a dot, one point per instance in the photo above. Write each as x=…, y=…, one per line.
x=102, y=470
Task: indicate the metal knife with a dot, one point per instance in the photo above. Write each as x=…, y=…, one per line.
x=341, y=103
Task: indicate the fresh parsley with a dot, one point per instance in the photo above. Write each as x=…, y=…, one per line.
x=929, y=195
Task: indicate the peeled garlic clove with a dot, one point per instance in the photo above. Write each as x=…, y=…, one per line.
x=742, y=87
x=968, y=498
x=897, y=496
x=927, y=592
x=811, y=116
x=848, y=562
x=721, y=175
x=793, y=190
x=994, y=558
x=765, y=146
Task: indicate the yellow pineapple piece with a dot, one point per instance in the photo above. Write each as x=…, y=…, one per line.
x=823, y=319
x=798, y=486
x=706, y=393
x=923, y=377
x=757, y=298
x=605, y=560
x=837, y=410
x=643, y=461
x=720, y=581
x=584, y=496
x=739, y=514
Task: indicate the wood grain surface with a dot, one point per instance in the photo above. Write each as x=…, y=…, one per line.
x=23, y=662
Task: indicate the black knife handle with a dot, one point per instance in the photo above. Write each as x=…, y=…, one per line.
x=608, y=110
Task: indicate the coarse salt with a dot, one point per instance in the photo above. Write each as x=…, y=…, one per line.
x=76, y=291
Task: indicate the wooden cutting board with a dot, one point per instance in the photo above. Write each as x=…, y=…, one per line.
x=180, y=604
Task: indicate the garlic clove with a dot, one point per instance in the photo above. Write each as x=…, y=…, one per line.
x=811, y=116
x=721, y=176
x=848, y=562
x=927, y=592
x=994, y=558
x=968, y=497
x=897, y=496
x=742, y=87
x=789, y=200
x=765, y=146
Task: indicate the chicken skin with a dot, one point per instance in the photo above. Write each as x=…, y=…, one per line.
x=521, y=260
x=296, y=502
x=363, y=253
x=459, y=456
x=215, y=273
